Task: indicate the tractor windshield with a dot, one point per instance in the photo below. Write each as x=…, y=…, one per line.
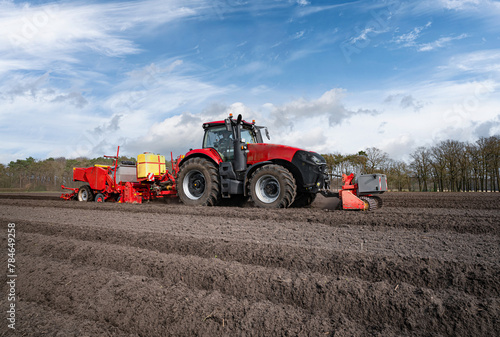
x=222, y=140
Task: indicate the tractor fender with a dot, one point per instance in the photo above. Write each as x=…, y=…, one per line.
x=208, y=153
x=250, y=170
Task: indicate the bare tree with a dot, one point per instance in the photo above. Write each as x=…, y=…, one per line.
x=376, y=159
x=421, y=164
x=438, y=164
x=452, y=151
x=484, y=152
x=496, y=160
x=398, y=175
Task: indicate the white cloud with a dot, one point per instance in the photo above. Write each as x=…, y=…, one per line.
x=82, y=125
x=302, y=123
x=333, y=122
x=488, y=128
x=398, y=145
x=329, y=106
x=487, y=11
x=456, y=110
x=260, y=89
x=405, y=101
x=363, y=35
x=303, y=2
x=486, y=62
x=408, y=39
x=62, y=32
x=439, y=43
x=459, y=4
x=34, y=122
x=180, y=132
x=316, y=9
x=298, y=35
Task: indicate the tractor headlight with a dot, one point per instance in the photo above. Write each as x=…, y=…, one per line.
x=312, y=158
x=315, y=158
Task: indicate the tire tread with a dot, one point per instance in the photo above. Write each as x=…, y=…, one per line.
x=213, y=174
x=290, y=186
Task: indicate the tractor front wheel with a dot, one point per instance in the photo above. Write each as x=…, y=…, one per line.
x=272, y=186
x=198, y=183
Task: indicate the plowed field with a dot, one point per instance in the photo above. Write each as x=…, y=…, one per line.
x=426, y=264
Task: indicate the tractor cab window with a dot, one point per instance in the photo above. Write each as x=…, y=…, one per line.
x=248, y=136
x=222, y=140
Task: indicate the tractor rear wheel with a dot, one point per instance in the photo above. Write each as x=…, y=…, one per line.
x=272, y=186
x=85, y=193
x=198, y=183
x=99, y=197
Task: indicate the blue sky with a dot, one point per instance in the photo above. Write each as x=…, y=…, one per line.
x=80, y=78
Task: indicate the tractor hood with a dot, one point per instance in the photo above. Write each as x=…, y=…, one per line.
x=309, y=168
x=263, y=152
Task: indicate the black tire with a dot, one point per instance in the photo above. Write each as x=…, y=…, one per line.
x=272, y=186
x=99, y=198
x=304, y=199
x=85, y=193
x=198, y=183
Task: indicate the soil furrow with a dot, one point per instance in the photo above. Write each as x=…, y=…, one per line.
x=385, y=241
x=37, y=319
x=459, y=220
x=474, y=200
x=147, y=307
x=323, y=296
x=474, y=279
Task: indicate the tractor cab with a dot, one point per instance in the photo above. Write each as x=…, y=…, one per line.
x=221, y=136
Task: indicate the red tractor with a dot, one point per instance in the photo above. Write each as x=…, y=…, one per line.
x=233, y=164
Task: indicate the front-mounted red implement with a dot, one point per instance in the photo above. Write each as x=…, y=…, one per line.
x=361, y=193
x=126, y=182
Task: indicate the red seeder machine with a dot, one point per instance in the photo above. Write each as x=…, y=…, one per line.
x=126, y=182
x=234, y=163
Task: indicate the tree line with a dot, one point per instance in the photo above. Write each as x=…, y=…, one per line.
x=448, y=166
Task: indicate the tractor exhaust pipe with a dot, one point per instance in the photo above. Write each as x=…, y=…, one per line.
x=240, y=157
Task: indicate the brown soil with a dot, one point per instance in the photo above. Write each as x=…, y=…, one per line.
x=425, y=264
